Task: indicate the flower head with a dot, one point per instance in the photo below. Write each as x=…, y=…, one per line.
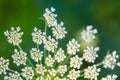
x=110, y=77
x=89, y=34
x=91, y=72
x=73, y=47
x=52, y=72
x=62, y=69
x=19, y=57
x=90, y=54
x=14, y=36
x=40, y=69
x=50, y=17
x=49, y=61
x=3, y=65
x=73, y=74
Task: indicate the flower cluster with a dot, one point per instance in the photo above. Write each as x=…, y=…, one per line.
x=48, y=61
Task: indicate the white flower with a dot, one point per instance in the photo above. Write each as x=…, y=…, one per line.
x=62, y=69
x=110, y=77
x=40, y=78
x=38, y=36
x=52, y=72
x=36, y=55
x=110, y=60
x=48, y=77
x=50, y=44
x=73, y=47
x=49, y=61
x=89, y=34
x=60, y=56
x=40, y=69
x=3, y=65
x=50, y=17
x=90, y=54
x=27, y=73
x=13, y=76
x=59, y=31
x=19, y=57
x=76, y=62
x=14, y=36
x=73, y=74
x=91, y=72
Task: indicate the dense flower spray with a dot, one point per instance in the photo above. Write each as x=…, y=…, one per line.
x=54, y=62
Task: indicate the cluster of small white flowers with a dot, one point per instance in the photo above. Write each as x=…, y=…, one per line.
x=73, y=74
x=14, y=36
x=50, y=44
x=91, y=72
x=62, y=69
x=38, y=36
x=50, y=17
x=60, y=56
x=52, y=72
x=3, y=65
x=40, y=69
x=19, y=57
x=36, y=55
x=59, y=31
x=90, y=54
x=57, y=78
x=73, y=47
x=110, y=77
x=40, y=78
x=28, y=73
x=13, y=76
x=76, y=62
x=88, y=34
x=111, y=60
x=49, y=61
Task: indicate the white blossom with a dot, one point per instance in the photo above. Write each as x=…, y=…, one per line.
x=28, y=73
x=52, y=72
x=90, y=54
x=92, y=72
x=4, y=63
x=88, y=34
x=49, y=61
x=110, y=77
x=73, y=47
x=14, y=36
x=36, y=54
x=110, y=60
x=59, y=31
x=13, y=76
x=19, y=57
x=38, y=36
x=40, y=78
x=62, y=69
x=60, y=56
x=40, y=69
x=50, y=17
x=50, y=44
x=76, y=62
x=73, y=74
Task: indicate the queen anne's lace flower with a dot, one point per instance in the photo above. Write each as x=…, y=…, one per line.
x=59, y=31
x=13, y=76
x=73, y=74
x=90, y=54
x=36, y=55
x=60, y=56
x=27, y=73
x=76, y=62
x=3, y=65
x=89, y=34
x=14, y=36
x=91, y=72
x=49, y=61
x=50, y=44
x=110, y=60
x=50, y=17
x=52, y=72
x=19, y=57
x=40, y=78
x=62, y=69
x=110, y=77
x=38, y=36
x=73, y=47
x=40, y=69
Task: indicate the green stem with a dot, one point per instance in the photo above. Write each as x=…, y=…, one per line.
x=11, y=70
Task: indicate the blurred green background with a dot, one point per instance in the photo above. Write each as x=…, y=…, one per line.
x=76, y=14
